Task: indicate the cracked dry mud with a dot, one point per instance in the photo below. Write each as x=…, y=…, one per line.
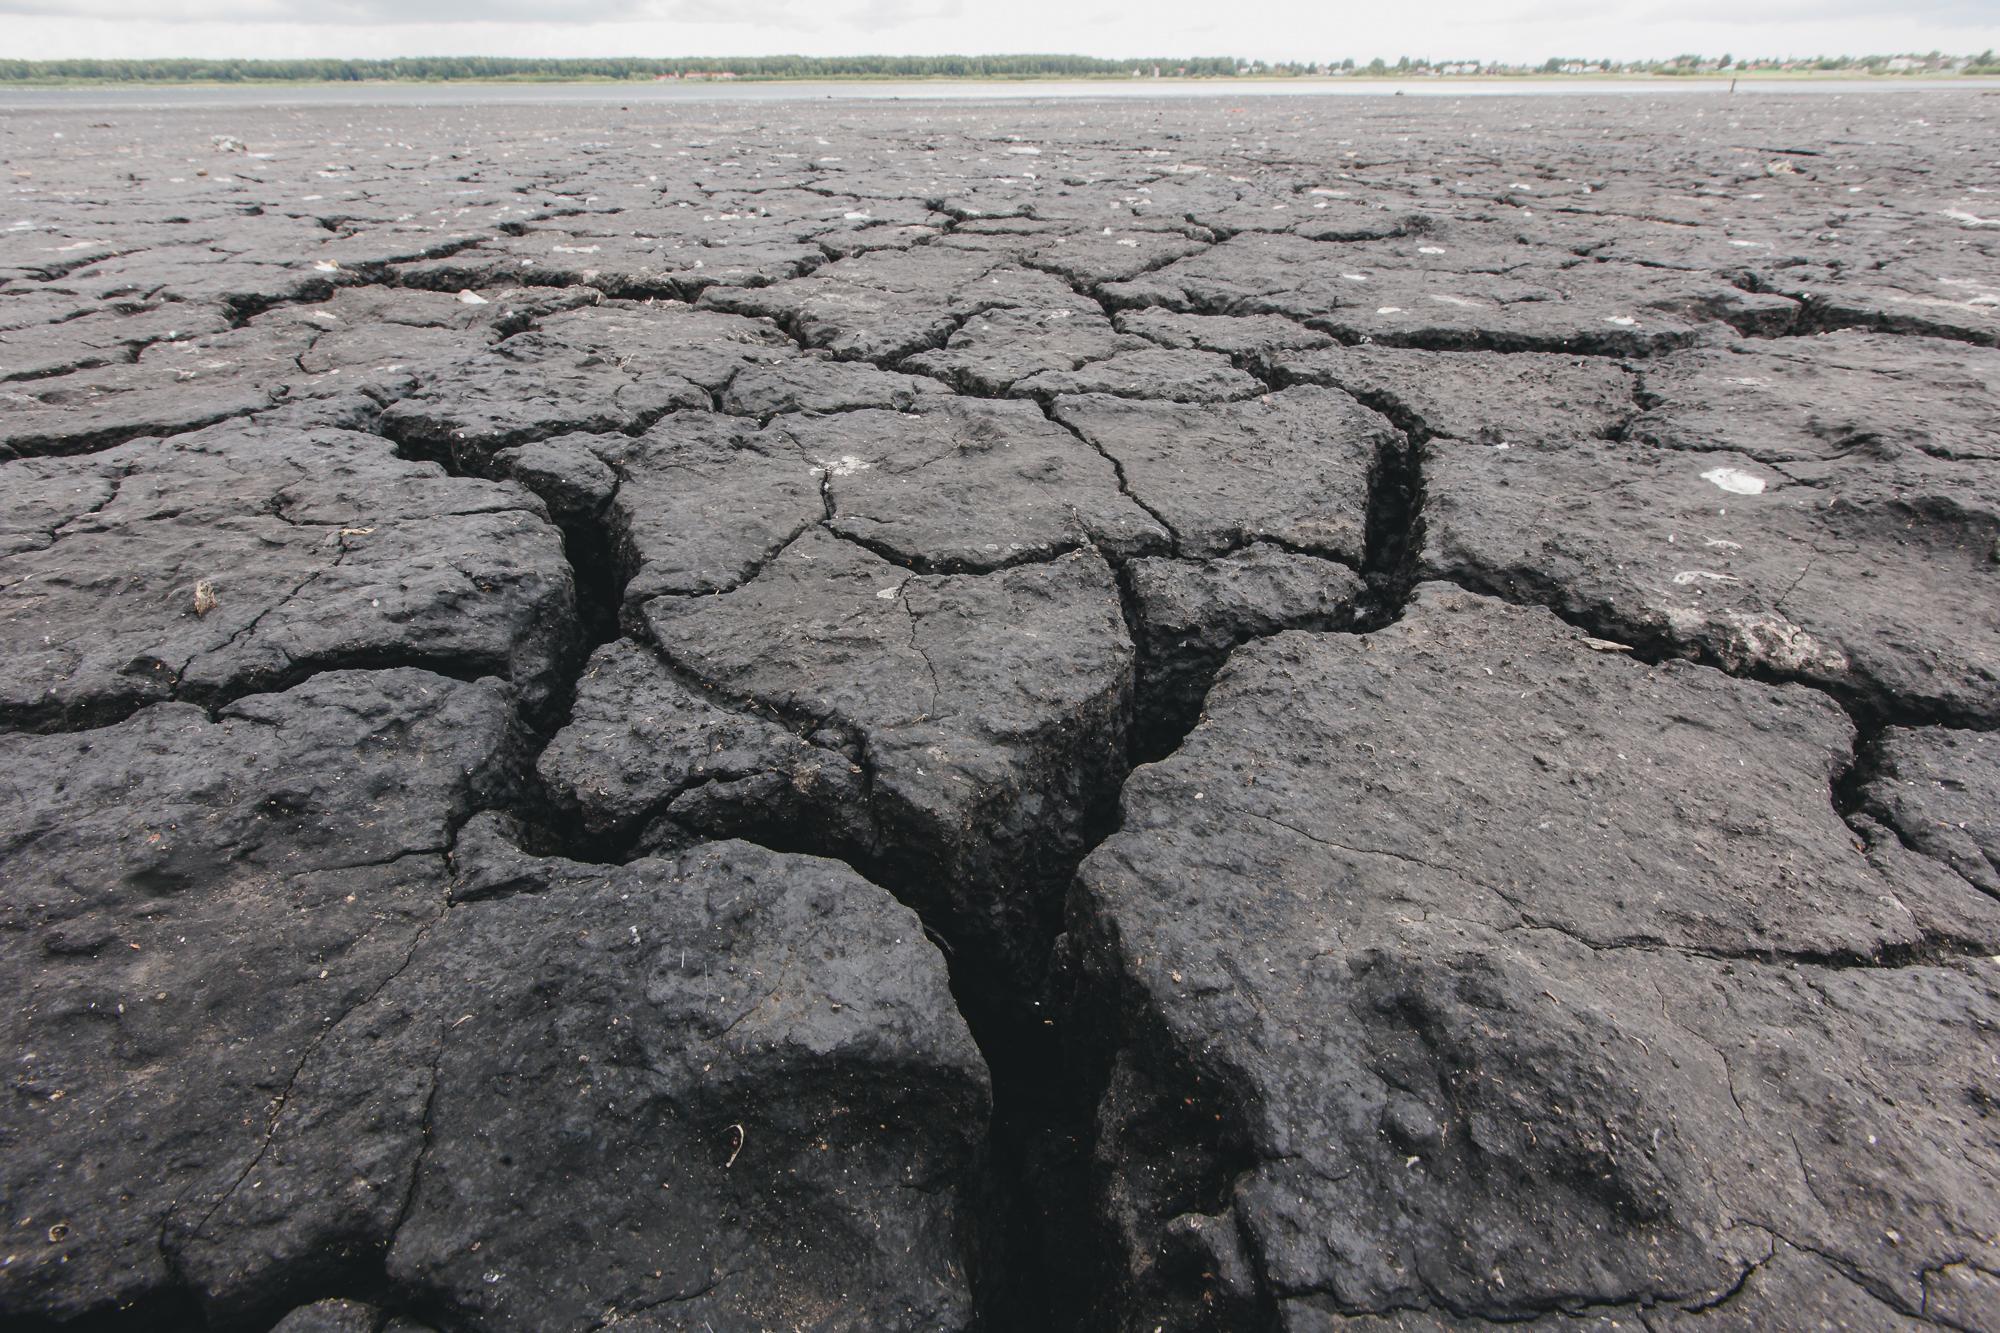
x=1334, y=714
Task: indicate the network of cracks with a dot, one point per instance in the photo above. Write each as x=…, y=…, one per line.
x=1117, y=717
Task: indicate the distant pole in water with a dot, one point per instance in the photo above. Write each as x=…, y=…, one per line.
x=1732, y=85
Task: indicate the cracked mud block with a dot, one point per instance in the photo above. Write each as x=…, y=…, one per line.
x=41, y=253
x=879, y=236
x=264, y=1057
x=1939, y=790
x=1890, y=597
x=634, y=267
x=1153, y=372
x=245, y=558
x=642, y=753
x=242, y=284
x=44, y=495
x=1188, y=614
x=885, y=305
x=992, y=350
x=1085, y=259
x=332, y=1316
x=190, y=905
x=1793, y=1288
x=1239, y=337
x=93, y=336
x=728, y=1086
x=341, y=357
x=702, y=501
x=172, y=387
x=813, y=384
x=1514, y=398
x=1959, y=301
x=384, y=342
x=966, y=485
x=990, y=711
x=1835, y=406
x=1395, y=293
x=1294, y=468
x=1464, y=941
x=1317, y=218
x=571, y=480
x=600, y=369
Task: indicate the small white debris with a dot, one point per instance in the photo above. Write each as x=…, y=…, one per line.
x=1025, y=151
x=1734, y=480
x=470, y=297
x=1430, y=249
x=205, y=599
x=844, y=466
x=1688, y=576
x=1964, y=218
x=326, y=266
x=1388, y=310
x=1622, y=321
x=889, y=594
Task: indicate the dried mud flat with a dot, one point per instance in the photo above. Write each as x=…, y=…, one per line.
x=1328, y=714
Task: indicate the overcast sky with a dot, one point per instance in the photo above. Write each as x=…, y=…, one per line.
x=1512, y=30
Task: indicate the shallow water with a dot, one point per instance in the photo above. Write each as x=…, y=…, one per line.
x=507, y=94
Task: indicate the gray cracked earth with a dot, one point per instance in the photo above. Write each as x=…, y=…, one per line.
x=1349, y=714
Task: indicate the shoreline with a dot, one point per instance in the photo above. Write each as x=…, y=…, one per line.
x=29, y=98
x=1311, y=82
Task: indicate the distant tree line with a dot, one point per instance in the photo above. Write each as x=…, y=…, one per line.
x=445, y=68
x=436, y=69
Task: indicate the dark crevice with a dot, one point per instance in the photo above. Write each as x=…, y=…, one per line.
x=1175, y=671
x=1394, y=529
x=1036, y=1257
x=172, y=1311
x=1393, y=543
x=1038, y=1260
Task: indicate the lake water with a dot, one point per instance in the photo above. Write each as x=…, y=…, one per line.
x=626, y=94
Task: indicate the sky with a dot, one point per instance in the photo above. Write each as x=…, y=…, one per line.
x=1306, y=30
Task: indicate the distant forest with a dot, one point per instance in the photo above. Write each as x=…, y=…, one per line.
x=438, y=69
x=424, y=69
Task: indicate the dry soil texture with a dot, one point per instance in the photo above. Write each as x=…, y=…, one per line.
x=1366, y=714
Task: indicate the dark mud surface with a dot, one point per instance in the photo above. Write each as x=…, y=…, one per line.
x=1072, y=717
